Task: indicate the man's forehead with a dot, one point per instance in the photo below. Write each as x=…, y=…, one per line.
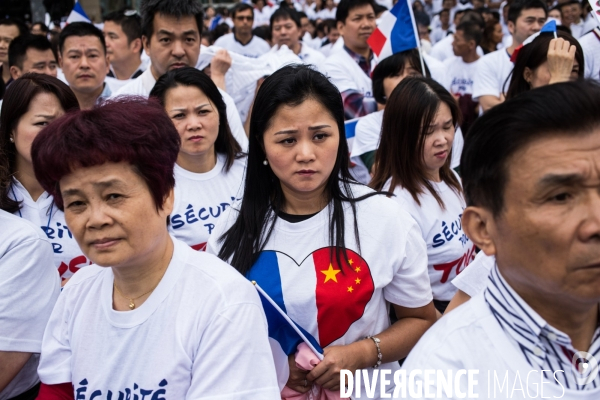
x=533, y=12
x=283, y=21
x=87, y=42
x=362, y=10
x=36, y=54
x=9, y=30
x=111, y=26
x=173, y=24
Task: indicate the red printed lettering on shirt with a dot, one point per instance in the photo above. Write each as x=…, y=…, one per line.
x=460, y=265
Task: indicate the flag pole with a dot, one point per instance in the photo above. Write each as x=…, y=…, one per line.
x=412, y=19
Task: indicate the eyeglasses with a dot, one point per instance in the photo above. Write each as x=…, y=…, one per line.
x=243, y=17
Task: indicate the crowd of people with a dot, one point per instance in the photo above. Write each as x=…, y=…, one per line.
x=436, y=209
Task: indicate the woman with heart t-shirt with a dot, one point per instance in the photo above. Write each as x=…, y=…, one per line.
x=413, y=162
x=210, y=166
x=329, y=251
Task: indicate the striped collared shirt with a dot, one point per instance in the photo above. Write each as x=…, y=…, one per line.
x=544, y=347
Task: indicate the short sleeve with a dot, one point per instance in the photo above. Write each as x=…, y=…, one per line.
x=338, y=76
x=55, y=360
x=29, y=287
x=410, y=286
x=486, y=80
x=473, y=279
x=234, y=121
x=234, y=359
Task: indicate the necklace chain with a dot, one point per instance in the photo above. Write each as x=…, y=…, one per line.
x=131, y=303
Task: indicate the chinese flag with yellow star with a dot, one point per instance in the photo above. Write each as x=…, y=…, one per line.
x=342, y=292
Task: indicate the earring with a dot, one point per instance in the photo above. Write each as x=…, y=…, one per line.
x=265, y=162
x=12, y=140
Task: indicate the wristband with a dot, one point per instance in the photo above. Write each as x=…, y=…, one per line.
x=379, y=356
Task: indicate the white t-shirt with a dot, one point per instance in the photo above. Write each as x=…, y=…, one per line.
x=256, y=47
x=262, y=17
x=470, y=338
x=590, y=43
x=442, y=50
x=29, y=287
x=493, y=70
x=436, y=68
x=577, y=29
x=68, y=257
x=341, y=308
x=143, y=84
x=200, y=199
x=438, y=34
x=345, y=74
x=201, y=334
x=460, y=76
x=327, y=14
x=474, y=280
x=449, y=250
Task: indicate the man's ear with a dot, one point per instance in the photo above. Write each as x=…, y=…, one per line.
x=60, y=60
x=511, y=27
x=136, y=45
x=15, y=72
x=146, y=44
x=340, y=27
x=477, y=223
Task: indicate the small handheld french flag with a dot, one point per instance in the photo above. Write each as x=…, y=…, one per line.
x=549, y=27
x=396, y=31
x=78, y=15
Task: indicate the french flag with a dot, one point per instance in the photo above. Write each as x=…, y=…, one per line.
x=78, y=15
x=396, y=32
x=350, y=127
x=319, y=317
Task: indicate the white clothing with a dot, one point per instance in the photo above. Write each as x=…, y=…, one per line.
x=460, y=76
x=367, y=134
x=493, y=70
x=326, y=49
x=471, y=338
x=474, y=279
x=438, y=34
x=327, y=14
x=391, y=267
x=201, y=334
x=200, y=199
x=262, y=17
x=143, y=84
x=449, y=250
x=436, y=68
x=345, y=74
x=256, y=47
x=29, y=287
x=577, y=29
x=590, y=23
x=308, y=55
x=43, y=213
x=590, y=43
x=443, y=49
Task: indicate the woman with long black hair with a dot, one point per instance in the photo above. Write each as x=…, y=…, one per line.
x=413, y=162
x=329, y=251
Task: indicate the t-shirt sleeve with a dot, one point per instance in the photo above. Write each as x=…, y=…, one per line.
x=234, y=359
x=473, y=279
x=29, y=287
x=486, y=79
x=235, y=122
x=410, y=286
x=55, y=360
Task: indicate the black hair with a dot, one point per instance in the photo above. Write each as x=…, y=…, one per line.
x=471, y=31
x=533, y=55
x=42, y=25
x=241, y=7
x=129, y=21
x=188, y=76
x=263, y=32
x=421, y=18
x=392, y=66
x=220, y=30
x=285, y=13
x=80, y=29
x=15, y=22
x=517, y=7
x=345, y=6
x=18, y=48
x=474, y=17
x=444, y=10
x=175, y=8
x=263, y=197
x=568, y=108
x=301, y=14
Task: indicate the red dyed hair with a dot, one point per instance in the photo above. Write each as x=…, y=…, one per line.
x=132, y=129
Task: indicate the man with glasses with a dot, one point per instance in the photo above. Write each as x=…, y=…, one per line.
x=242, y=41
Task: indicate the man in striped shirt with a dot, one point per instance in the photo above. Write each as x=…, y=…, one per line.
x=531, y=177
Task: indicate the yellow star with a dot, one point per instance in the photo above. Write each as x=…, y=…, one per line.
x=357, y=269
x=350, y=262
x=357, y=281
x=350, y=290
x=330, y=274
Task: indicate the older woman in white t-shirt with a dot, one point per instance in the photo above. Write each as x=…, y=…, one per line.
x=210, y=166
x=153, y=318
x=331, y=252
x=30, y=103
x=413, y=162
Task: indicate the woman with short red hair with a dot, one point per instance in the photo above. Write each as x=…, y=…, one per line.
x=153, y=317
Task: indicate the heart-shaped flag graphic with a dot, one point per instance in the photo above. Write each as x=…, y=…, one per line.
x=341, y=292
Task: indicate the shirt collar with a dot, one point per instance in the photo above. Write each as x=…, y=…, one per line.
x=357, y=57
x=106, y=92
x=147, y=80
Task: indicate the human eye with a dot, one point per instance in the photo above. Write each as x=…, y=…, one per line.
x=164, y=40
x=321, y=136
x=114, y=197
x=75, y=205
x=561, y=197
x=178, y=116
x=287, y=141
x=41, y=123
